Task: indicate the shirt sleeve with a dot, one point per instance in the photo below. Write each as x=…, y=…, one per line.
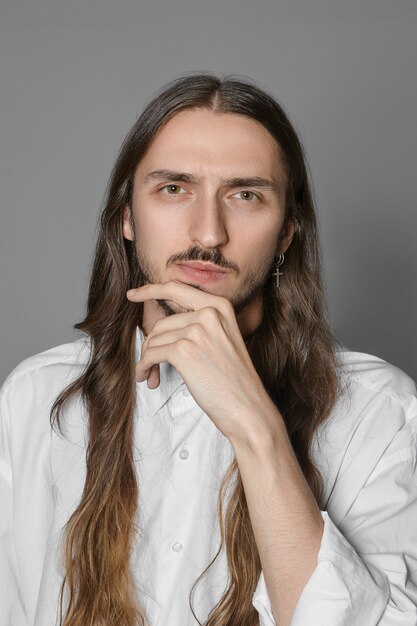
x=12, y=611
x=366, y=573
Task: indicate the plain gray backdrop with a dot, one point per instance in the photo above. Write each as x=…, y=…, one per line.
x=74, y=75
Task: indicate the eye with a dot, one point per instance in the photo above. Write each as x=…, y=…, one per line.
x=172, y=190
x=248, y=195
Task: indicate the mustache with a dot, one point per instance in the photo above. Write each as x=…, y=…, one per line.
x=199, y=254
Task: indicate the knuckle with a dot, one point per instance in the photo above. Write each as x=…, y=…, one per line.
x=184, y=346
x=158, y=324
x=227, y=305
x=210, y=315
x=195, y=331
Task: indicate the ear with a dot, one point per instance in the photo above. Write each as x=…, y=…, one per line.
x=127, y=224
x=287, y=233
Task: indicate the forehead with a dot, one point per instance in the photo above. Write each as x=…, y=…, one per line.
x=208, y=143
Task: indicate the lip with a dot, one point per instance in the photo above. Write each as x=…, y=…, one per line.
x=202, y=272
x=204, y=266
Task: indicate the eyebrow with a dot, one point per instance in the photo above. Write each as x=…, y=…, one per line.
x=251, y=181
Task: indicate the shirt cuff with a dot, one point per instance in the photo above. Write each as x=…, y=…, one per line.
x=340, y=591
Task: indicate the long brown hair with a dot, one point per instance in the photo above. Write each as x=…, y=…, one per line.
x=292, y=349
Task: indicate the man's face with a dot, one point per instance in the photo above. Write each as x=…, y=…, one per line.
x=210, y=191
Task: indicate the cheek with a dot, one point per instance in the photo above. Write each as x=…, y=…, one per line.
x=160, y=224
x=264, y=245
x=157, y=237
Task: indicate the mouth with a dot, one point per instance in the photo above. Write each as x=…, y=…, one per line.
x=202, y=272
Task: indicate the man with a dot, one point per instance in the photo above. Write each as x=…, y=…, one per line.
x=211, y=457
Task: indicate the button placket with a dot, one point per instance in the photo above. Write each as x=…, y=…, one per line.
x=181, y=408
x=185, y=417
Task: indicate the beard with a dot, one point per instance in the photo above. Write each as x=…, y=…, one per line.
x=255, y=281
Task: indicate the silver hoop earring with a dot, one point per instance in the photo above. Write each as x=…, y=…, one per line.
x=279, y=261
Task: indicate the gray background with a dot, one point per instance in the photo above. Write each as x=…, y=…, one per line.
x=75, y=74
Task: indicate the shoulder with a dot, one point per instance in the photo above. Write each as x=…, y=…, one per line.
x=66, y=354
x=26, y=400
x=376, y=398
x=371, y=373
x=373, y=424
x=45, y=374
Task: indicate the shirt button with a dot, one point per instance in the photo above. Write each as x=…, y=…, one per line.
x=177, y=547
x=184, y=454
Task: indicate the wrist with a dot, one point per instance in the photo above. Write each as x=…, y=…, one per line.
x=260, y=430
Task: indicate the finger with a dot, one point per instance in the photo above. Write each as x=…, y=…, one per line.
x=143, y=374
x=175, y=322
x=151, y=376
x=160, y=340
x=182, y=294
x=164, y=337
x=151, y=357
x=196, y=325
x=154, y=377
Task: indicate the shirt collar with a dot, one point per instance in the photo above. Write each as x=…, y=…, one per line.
x=170, y=381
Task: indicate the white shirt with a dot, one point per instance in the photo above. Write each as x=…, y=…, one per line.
x=366, y=572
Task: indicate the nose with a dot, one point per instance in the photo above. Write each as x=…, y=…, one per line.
x=207, y=226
